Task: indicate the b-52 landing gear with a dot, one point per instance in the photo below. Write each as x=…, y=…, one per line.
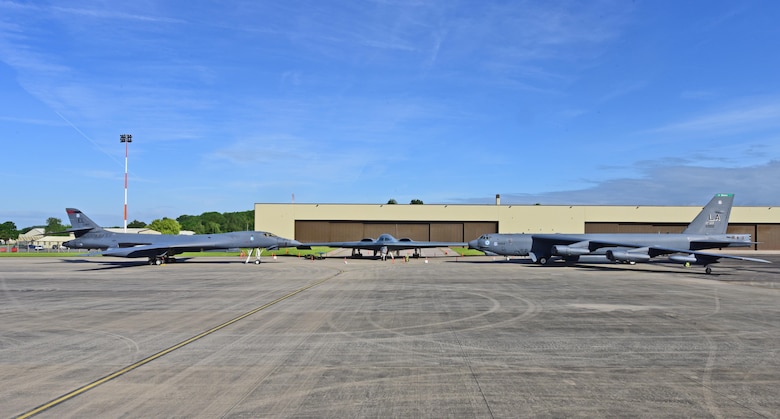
x=707, y=268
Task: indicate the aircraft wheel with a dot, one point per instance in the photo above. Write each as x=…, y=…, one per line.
x=158, y=262
x=257, y=262
x=542, y=260
x=708, y=270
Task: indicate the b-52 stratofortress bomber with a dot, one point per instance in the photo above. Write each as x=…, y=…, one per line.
x=162, y=248
x=706, y=231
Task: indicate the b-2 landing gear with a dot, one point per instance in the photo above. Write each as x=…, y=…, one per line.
x=161, y=259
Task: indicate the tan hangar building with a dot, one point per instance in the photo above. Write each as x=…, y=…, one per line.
x=461, y=223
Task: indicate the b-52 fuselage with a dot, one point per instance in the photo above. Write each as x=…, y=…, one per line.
x=162, y=248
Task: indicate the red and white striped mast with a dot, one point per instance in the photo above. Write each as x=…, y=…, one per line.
x=127, y=139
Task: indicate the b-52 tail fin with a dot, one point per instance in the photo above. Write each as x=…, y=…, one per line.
x=714, y=217
x=80, y=223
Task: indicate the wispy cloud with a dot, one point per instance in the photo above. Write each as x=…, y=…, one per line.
x=623, y=89
x=457, y=96
x=661, y=183
x=106, y=14
x=30, y=121
x=744, y=118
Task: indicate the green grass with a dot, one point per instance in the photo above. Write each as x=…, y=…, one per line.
x=465, y=251
x=39, y=254
x=279, y=252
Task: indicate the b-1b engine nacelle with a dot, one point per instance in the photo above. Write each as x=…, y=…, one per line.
x=624, y=256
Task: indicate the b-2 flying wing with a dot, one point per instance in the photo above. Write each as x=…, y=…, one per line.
x=383, y=245
x=162, y=248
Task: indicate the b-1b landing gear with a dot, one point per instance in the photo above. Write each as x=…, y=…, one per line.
x=257, y=256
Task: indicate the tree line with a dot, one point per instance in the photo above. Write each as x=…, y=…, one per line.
x=207, y=223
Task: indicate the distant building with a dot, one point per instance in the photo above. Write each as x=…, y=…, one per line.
x=37, y=238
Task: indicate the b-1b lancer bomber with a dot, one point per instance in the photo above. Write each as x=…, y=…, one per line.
x=162, y=248
x=706, y=231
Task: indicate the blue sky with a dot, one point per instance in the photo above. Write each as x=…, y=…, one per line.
x=232, y=103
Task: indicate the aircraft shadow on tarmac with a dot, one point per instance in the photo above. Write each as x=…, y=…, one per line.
x=609, y=266
x=115, y=264
x=497, y=261
x=667, y=269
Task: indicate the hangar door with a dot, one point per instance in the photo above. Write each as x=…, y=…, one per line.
x=451, y=231
x=768, y=236
x=655, y=228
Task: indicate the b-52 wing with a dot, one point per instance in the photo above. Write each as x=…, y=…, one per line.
x=692, y=257
x=572, y=246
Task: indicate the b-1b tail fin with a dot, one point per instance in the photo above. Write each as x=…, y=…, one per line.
x=80, y=223
x=714, y=217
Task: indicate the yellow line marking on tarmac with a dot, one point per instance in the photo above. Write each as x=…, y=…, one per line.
x=162, y=353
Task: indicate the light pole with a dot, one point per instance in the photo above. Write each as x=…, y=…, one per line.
x=127, y=139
